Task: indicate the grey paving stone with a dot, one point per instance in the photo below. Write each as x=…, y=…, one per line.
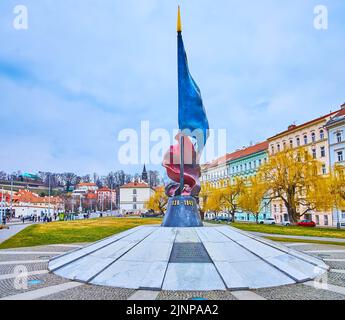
x=336, y=265
x=187, y=295
x=316, y=246
x=90, y=292
x=298, y=292
x=7, y=287
x=337, y=279
x=49, y=248
x=24, y=257
x=7, y=269
x=329, y=255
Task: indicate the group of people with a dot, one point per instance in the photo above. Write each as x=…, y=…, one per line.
x=40, y=218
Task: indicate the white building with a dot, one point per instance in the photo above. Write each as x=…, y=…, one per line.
x=27, y=203
x=84, y=188
x=336, y=138
x=133, y=197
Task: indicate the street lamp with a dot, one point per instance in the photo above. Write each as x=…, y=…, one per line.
x=49, y=194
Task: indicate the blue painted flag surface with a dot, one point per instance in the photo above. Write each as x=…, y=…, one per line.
x=192, y=114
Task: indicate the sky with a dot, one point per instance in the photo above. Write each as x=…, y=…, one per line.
x=84, y=70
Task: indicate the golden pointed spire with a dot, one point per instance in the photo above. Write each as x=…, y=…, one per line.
x=179, y=23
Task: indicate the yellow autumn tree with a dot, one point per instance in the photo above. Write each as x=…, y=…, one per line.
x=252, y=195
x=213, y=203
x=158, y=201
x=293, y=176
x=205, y=192
x=227, y=196
x=333, y=190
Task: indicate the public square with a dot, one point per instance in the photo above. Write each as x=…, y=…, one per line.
x=45, y=285
x=183, y=150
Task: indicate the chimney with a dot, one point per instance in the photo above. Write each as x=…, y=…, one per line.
x=291, y=127
x=343, y=106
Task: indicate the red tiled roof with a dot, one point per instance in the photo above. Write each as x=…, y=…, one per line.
x=239, y=154
x=104, y=189
x=135, y=185
x=294, y=128
x=91, y=196
x=87, y=184
x=30, y=197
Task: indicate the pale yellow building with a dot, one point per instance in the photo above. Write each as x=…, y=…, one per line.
x=312, y=135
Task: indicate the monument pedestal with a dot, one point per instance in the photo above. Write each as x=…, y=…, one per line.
x=182, y=212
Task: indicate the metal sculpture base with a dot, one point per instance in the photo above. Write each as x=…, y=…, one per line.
x=182, y=212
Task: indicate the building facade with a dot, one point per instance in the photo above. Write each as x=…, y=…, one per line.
x=313, y=136
x=106, y=198
x=336, y=137
x=27, y=203
x=242, y=163
x=133, y=196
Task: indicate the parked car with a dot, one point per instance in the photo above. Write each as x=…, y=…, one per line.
x=222, y=218
x=150, y=214
x=307, y=223
x=286, y=223
x=270, y=221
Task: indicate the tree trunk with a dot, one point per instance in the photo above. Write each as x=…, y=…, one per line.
x=292, y=212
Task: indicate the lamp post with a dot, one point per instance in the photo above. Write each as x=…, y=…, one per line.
x=2, y=206
x=11, y=201
x=49, y=195
x=111, y=198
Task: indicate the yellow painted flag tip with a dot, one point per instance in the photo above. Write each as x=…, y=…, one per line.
x=179, y=22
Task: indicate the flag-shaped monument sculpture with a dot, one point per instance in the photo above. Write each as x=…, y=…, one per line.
x=182, y=161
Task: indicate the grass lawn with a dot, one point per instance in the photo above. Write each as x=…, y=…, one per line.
x=73, y=231
x=292, y=230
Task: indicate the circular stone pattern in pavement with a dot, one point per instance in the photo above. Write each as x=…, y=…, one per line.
x=187, y=259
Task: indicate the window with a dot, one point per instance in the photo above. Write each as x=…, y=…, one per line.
x=134, y=191
x=291, y=144
x=324, y=170
x=272, y=149
x=275, y=208
x=339, y=137
x=340, y=156
x=343, y=215
x=325, y=219
x=281, y=208
x=134, y=207
x=305, y=139
x=313, y=137
x=245, y=167
x=278, y=147
x=134, y=199
x=241, y=167
x=298, y=141
x=314, y=153
x=260, y=162
x=250, y=165
x=322, y=134
x=284, y=145
x=317, y=218
x=323, y=152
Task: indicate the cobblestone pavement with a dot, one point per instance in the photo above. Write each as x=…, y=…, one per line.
x=45, y=286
